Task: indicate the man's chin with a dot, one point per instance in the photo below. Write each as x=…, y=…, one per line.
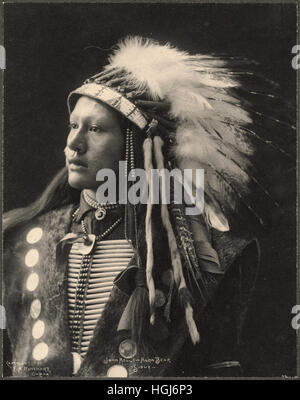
x=77, y=182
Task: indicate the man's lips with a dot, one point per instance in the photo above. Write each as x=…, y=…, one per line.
x=76, y=163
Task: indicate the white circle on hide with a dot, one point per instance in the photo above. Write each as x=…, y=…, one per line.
x=38, y=329
x=32, y=258
x=117, y=371
x=34, y=235
x=35, y=308
x=32, y=281
x=40, y=351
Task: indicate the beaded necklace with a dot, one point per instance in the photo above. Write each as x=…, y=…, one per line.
x=100, y=208
x=77, y=321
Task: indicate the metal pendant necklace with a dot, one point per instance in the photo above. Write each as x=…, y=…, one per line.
x=101, y=209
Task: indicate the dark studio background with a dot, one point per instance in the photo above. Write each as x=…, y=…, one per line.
x=48, y=54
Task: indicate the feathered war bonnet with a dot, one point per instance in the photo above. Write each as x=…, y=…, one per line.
x=195, y=111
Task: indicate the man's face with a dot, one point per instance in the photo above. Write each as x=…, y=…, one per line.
x=95, y=141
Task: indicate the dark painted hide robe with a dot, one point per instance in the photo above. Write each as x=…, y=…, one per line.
x=219, y=314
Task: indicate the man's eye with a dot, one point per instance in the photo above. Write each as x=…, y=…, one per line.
x=72, y=125
x=96, y=129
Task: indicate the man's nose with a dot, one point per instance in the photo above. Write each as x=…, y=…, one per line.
x=76, y=140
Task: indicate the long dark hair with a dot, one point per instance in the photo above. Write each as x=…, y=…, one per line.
x=57, y=193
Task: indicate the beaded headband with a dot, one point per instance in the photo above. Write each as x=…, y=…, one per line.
x=113, y=99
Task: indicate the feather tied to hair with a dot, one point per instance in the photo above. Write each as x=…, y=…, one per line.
x=148, y=228
x=184, y=294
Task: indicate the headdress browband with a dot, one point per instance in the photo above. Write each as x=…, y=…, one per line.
x=112, y=98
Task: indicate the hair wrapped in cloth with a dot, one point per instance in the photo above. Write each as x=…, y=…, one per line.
x=212, y=113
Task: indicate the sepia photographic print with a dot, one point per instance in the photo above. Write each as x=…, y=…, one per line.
x=149, y=190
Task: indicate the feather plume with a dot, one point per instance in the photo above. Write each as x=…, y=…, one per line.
x=214, y=215
x=143, y=61
x=210, y=111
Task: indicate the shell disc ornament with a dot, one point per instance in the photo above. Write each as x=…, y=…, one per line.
x=100, y=213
